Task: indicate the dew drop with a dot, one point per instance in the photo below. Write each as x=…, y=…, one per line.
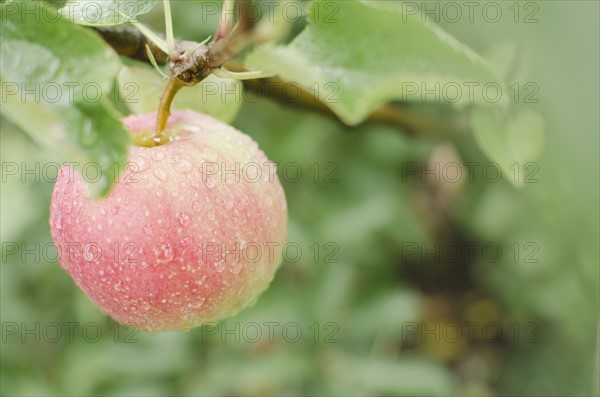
x=141, y=164
x=167, y=252
x=210, y=183
x=158, y=155
x=102, y=211
x=184, y=218
x=197, y=206
x=147, y=229
x=118, y=286
x=197, y=304
x=161, y=174
x=211, y=215
x=181, y=165
x=236, y=267
x=218, y=266
x=241, y=204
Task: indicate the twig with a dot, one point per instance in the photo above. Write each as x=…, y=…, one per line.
x=396, y=115
x=225, y=49
x=224, y=26
x=129, y=42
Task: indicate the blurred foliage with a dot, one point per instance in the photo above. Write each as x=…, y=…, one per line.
x=34, y=54
x=369, y=295
x=378, y=66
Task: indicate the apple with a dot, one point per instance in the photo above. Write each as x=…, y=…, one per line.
x=192, y=231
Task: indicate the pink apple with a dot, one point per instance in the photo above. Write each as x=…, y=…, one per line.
x=192, y=231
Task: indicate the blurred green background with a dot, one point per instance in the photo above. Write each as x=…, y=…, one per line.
x=355, y=310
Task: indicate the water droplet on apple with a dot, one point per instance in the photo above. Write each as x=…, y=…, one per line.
x=115, y=210
x=181, y=165
x=102, y=211
x=184, y=218
x=241, y=204
x=236, y=267
x=161, y=174
x=167, y=252
x=210, y=183
x=158, y=155
x=197, y=206
x=147, y=229
x=197, y=304
x=140, y=164
x=211, y=215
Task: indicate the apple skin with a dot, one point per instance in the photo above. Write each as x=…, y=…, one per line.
x=160, y=250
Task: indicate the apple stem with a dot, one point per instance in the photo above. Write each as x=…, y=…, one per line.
x=164, y=108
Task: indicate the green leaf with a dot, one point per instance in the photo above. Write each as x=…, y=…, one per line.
x=105, y=12
x=141, y=88
x=358, y=55
x=503, y=58
x=57, y=92
x=514, y=141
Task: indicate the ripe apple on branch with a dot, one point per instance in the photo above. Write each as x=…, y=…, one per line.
x=189, y=230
